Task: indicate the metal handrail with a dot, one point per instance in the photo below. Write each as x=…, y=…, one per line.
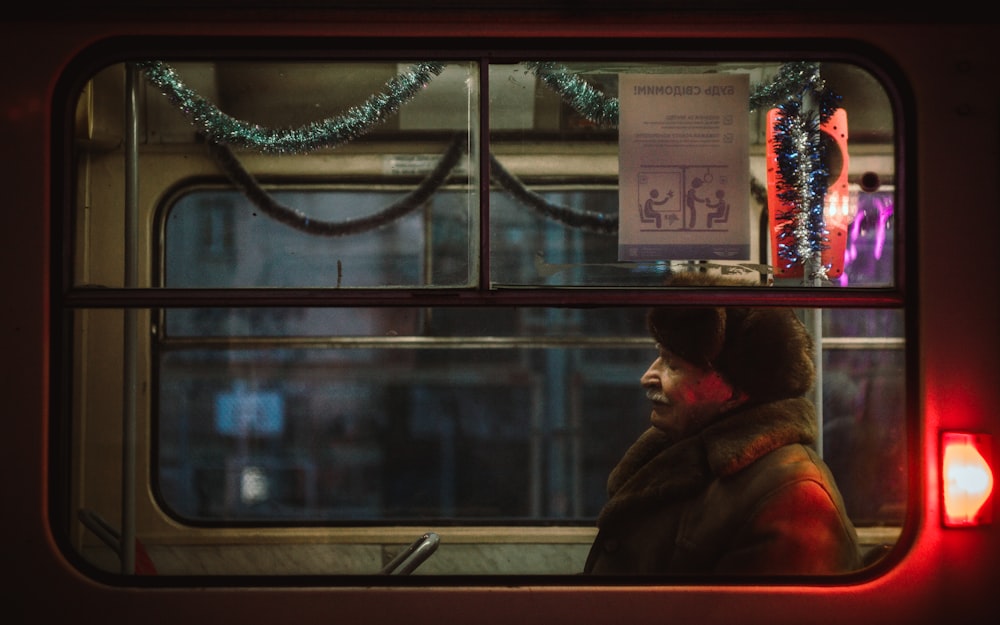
x=413, y=556
x=102, y=529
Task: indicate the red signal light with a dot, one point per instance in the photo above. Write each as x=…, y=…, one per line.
x=967, y=479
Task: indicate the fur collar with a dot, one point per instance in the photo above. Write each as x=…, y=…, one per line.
x=659, y=467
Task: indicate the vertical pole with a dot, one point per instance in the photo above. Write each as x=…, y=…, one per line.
x=129, y=357
x=536, y=449
x=482, y=144
x=814, y=316
x=814, y=324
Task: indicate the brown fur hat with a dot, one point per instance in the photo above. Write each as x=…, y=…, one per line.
x=764, y=352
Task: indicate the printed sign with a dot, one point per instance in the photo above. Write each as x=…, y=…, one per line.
x=683, y=167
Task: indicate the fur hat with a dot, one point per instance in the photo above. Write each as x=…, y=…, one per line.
x=764, y=352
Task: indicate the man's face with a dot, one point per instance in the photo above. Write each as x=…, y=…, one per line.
x=685, y=397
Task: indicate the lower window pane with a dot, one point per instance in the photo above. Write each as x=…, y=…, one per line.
x=459, y=415
x=385, y=434
x=497, y=427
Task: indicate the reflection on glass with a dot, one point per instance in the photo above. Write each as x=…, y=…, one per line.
x=501, y=427
x=216, y=239
x=219, y=239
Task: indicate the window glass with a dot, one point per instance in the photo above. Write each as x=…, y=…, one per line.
x=220, y=240
x=474, y=433
x=500, y=427
x=684, y=199
x=400, y=134
x=325, y=329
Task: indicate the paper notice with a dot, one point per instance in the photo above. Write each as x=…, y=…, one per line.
x=683, y=167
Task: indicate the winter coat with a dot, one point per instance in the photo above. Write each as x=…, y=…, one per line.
x=745, y=496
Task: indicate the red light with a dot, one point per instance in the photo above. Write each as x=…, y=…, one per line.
x=967, y=479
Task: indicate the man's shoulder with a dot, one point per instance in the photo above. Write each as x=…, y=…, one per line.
x=782, y=466
x=730, y=500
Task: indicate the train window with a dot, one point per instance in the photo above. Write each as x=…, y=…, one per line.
x=315, y=308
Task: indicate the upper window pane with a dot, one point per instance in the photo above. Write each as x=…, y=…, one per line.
x=746, y=166
x=233, y=157
x=749, y=167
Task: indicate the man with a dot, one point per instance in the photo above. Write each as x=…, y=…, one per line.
x=726, y=481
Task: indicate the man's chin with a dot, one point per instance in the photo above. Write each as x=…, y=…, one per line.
x=663, y=422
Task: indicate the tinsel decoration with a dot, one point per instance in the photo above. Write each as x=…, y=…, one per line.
x=331, y=132
x=600, y=223
x=603, y=110
x=578, y=93
x=802, y=163
x=803, y=177
x=300, y=221
x=801, y=160
x=790, y=82
x=758, y=191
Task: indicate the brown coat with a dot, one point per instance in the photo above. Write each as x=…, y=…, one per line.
x=746, y=496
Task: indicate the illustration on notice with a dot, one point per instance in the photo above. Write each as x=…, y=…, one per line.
x=683, y=198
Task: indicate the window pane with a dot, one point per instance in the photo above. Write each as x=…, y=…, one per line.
x=682, y=193
x=499, y=427
x=483, y=419
x=391, y=419
x=213, y=138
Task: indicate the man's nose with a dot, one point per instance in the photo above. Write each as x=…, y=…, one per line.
x=650, y=378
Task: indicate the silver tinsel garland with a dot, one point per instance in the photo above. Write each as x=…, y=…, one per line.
x=221, y=128
x=802, y=160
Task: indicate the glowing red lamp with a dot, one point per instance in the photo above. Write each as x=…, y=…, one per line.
x=967, y=479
